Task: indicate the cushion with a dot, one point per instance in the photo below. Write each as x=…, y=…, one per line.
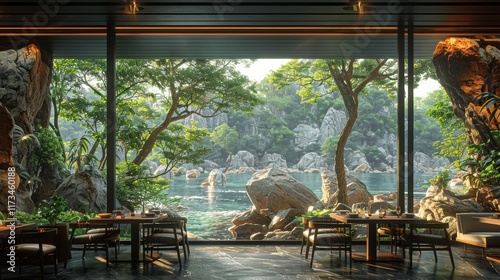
x=327, y=239
x=30, y=250
x=164, y=238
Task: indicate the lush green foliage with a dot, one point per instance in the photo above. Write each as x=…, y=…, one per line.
x=53, y=212
x=441, y=179
x=50, y=151
x=483, y=164
x=136, y=188
x=438, y=106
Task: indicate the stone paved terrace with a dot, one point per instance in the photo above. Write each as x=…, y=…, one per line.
x=254, y=261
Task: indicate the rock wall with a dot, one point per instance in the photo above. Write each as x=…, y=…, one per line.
x=466, y=68
x=24, y=91
x=6, y=159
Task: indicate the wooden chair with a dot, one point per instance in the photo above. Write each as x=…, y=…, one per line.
x=428, y=237
x=394, y=232
x=307, y=232
x=338, y=239
x=185, y=240
x=34, y=246
x=163, y=236
x=95, y=236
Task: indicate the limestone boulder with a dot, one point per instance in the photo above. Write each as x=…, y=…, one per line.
x=312, y=161
x=84, y=191
x=437, y=207
x=356, y=190
x=332, y=124
x=245, y=231
x=354, y=158
x=275, y=190
x=209, y=165
x=250, y=217
x=363, y=168
x=273, y=161
x=241, y=159
x=283, y=218
x=305, y=135
x=193, y=173
x=215, y=178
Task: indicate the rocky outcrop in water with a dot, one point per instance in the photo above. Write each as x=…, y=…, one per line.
x=277, y=199
x=216, y=178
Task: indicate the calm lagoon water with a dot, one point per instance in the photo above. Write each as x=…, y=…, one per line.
x=210, y=213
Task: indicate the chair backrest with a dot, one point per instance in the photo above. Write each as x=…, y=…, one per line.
x=177, y=226
x=341, y=227
x=39, y=236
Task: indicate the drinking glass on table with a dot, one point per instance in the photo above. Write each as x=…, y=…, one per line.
x=398, y=211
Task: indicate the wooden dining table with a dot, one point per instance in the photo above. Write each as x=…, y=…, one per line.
x=135, y=230
x=372, y=254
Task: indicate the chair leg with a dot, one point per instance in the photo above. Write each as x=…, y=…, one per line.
x=107, y=254
x=42, y=274
x=179, y=256
x=55, y=263
x=451, y=257
x=184, y=250
x=312, y=256
x=302, y=245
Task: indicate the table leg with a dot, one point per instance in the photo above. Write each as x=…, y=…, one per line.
x=135, y=242
x=371, y=245
x=371, y=242
x=371, y=254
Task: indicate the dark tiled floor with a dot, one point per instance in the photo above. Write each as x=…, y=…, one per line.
x=230, y=261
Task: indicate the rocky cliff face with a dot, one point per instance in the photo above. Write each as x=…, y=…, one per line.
x=466, y=68
x=24, y=91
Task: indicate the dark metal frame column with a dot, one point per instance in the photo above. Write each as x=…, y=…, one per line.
x=411, y=117
x=400, y=169
x=111, y=116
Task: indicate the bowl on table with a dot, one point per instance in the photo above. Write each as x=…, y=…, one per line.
x=149, y=215
x=104, y=215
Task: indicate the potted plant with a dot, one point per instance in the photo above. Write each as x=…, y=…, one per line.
x=54, y=215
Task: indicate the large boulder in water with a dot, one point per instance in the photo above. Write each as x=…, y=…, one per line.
x=215, y=178
x=275, y=190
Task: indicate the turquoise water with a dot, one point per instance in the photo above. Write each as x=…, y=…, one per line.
x=210, y=213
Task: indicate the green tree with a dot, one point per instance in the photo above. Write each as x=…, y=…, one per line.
x=200, y=87
x=151, y=96
x=136, y=188
x=225, y=137
x=349, y=77
x=453, y=145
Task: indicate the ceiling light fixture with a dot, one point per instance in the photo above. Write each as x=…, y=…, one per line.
x=133, y=7
x=358, y=7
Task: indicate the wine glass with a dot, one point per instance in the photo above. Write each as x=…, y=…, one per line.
x=398, y=211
